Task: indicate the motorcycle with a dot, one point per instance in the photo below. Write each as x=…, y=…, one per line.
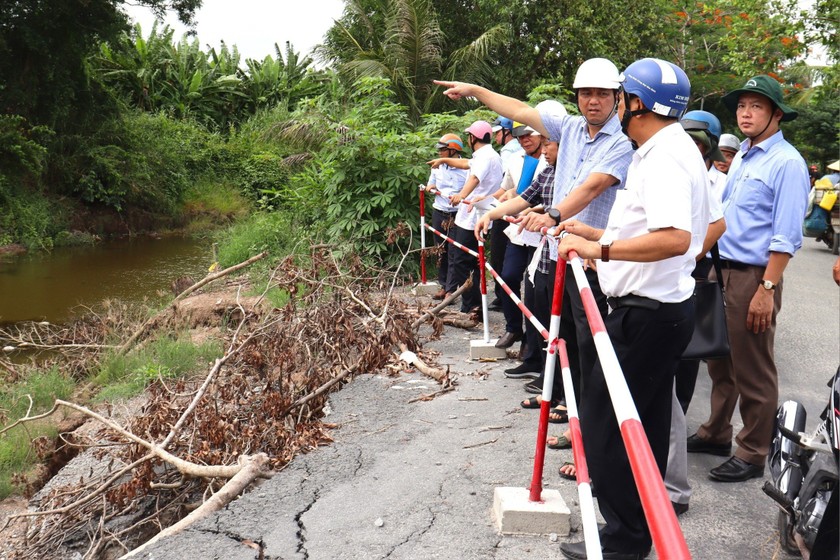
x=804, y=469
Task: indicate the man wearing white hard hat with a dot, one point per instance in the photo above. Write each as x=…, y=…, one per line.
x=592, y=163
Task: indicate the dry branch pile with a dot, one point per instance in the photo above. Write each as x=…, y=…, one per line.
x=264, y=396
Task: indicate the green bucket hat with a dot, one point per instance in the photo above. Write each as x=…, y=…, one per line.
x=766, y=86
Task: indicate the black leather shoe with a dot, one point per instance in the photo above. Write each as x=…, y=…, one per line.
x=577, y=551
x=696, y=444
x=495, y=305
x=679, y=508
x=508, y=339
x=736, y=470
x=521, y=371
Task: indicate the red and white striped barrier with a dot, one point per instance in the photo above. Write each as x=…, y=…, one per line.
x=422, y=234
x=662, y=521
x=584, y=485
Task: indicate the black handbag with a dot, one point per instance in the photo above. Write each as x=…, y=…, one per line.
x=710, y=339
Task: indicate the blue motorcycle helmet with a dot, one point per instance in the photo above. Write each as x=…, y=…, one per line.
x=663, y=88
x=502, y=123
x=705, y=128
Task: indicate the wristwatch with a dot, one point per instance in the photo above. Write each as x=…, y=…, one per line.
x=554, y=214
x=605, y=250
x=767, y=285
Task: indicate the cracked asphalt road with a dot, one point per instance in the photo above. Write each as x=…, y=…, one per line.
x=415, y=481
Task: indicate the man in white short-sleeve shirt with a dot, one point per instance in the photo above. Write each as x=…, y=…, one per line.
x=647, y=252
x=484, y=179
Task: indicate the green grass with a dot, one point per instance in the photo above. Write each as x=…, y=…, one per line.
x=15, y=454
x=167, y=358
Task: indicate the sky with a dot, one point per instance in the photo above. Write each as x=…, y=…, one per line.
x=254, y=25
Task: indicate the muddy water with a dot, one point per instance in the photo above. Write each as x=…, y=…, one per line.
x=52, y=287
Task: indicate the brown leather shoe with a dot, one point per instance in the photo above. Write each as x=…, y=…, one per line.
x=441, y=294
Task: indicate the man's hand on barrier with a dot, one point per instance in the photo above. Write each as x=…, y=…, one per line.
x=481, y=227
x=576, y=227
x=535, y=222
x=456, y=199
x=583, y=247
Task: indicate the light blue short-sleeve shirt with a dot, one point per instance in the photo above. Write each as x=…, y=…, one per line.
x=578, y=155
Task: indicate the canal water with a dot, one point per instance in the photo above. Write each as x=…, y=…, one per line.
x=52, y=287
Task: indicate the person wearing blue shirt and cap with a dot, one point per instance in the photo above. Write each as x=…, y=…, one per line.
x=764, y=203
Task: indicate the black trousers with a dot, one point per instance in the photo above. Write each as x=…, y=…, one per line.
x=498, y=247
x=648, y=344
x=538, y=298
x=461, y=265
x=444, y=223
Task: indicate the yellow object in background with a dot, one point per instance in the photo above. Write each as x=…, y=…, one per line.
x=828, y=200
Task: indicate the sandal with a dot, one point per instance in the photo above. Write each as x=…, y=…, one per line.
x=561, y=442
x=533, y=402
x=558, y=415
x=564, y=468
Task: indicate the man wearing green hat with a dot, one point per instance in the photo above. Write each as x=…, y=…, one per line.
x=764, y=203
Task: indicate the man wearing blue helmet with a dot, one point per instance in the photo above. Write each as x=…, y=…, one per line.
x=764, y=201
x=704, y=129
x=647, y=252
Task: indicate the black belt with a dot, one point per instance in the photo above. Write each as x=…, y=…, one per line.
x=633, y=300
x=735, y=265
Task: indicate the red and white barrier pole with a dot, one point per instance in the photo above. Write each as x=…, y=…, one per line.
x=525, y=311
x=662, y=521
x=484, y=308
x=422, y=234
x=548, y=382
x=584, y=485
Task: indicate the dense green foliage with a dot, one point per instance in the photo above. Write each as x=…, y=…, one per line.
x=100, y=116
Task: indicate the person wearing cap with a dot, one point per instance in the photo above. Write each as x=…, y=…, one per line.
x=484, y=178
x=647, y=252
x=728, y=146
x=764, y=203
x=510, y=151
x=446, y=180
x=521, y=170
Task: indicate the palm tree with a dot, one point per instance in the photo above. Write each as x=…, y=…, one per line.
x=401, y=40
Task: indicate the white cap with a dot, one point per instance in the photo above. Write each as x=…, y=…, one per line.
x=729, y=142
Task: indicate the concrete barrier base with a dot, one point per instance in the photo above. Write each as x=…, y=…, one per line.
x=515, y=515
x=480, y=350
x=425, y=289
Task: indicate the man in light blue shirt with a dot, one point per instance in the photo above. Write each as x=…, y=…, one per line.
x=764, y=204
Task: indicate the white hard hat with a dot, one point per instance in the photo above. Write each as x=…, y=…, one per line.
x=597, y=73
x=552, y=107
x=729, y=142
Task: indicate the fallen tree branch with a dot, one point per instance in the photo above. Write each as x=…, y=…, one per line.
x=126, y=346
x=413, y=359
x=250, y=468
x=442, y=305
x=319, y=391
